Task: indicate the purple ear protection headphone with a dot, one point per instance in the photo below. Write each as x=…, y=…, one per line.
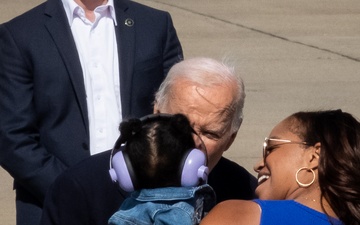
x=192, y=171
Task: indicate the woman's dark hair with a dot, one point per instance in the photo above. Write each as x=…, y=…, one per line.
x=156, y=147
x=339, y=162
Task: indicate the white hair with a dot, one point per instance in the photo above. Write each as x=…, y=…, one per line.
x=209, y=73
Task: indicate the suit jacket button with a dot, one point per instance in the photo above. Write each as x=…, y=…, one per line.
x=85, y=146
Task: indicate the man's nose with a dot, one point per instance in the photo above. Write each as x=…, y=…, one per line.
x=199, y=144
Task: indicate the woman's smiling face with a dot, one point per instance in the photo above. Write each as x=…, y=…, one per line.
x=276, y=173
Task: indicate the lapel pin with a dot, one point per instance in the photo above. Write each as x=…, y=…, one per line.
x=129, y=22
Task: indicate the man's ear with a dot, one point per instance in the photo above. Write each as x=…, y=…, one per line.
x=156, y=108
x=231, y=140
x=232, y=137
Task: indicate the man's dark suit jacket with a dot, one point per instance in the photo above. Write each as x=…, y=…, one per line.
x=44, y=121
x=86, y=195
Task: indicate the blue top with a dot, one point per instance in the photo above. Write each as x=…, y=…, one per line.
x=171, y=205
x=279, y=212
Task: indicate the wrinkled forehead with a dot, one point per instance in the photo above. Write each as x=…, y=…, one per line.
x=206, y=107
x=217, y=97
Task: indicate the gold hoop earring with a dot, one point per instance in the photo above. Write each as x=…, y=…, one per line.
x=302, y=184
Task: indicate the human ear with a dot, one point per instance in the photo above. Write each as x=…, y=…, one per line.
x=317, y=147
x=156, y=108
x=232, y=137
x=231, y=140
x=315, y=155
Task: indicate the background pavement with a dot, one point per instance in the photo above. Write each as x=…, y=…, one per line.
x=292, y=55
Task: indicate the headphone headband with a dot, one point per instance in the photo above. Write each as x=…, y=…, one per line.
x=192, y=170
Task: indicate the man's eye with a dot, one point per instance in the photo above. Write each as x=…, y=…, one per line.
x=211, y=136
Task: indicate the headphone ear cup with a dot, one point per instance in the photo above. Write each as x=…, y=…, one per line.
x=194, y=169
x=120, y=172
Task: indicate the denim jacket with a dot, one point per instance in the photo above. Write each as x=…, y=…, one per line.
x=170, y=205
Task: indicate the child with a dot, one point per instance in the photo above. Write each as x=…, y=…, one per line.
x=155, y=157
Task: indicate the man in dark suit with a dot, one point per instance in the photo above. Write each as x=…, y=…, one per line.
x=212, y=97
x=48, y=79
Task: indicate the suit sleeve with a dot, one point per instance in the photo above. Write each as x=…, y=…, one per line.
x=83, y=194
x=65, y=203
x=22, y=153
x=172, y=52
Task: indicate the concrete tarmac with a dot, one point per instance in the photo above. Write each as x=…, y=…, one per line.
x=292, y=55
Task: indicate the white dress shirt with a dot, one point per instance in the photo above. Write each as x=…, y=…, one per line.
x=97, y=48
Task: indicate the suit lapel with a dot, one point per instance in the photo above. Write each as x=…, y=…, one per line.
x=58, y=28
x=60, y=31
x=125, y=34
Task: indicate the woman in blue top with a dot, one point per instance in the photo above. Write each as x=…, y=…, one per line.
x=310, y=174
x=162, y=162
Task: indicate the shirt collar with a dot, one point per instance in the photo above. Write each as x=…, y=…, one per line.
x=71, y=6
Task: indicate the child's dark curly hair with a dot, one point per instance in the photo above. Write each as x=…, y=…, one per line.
x=156, y=146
